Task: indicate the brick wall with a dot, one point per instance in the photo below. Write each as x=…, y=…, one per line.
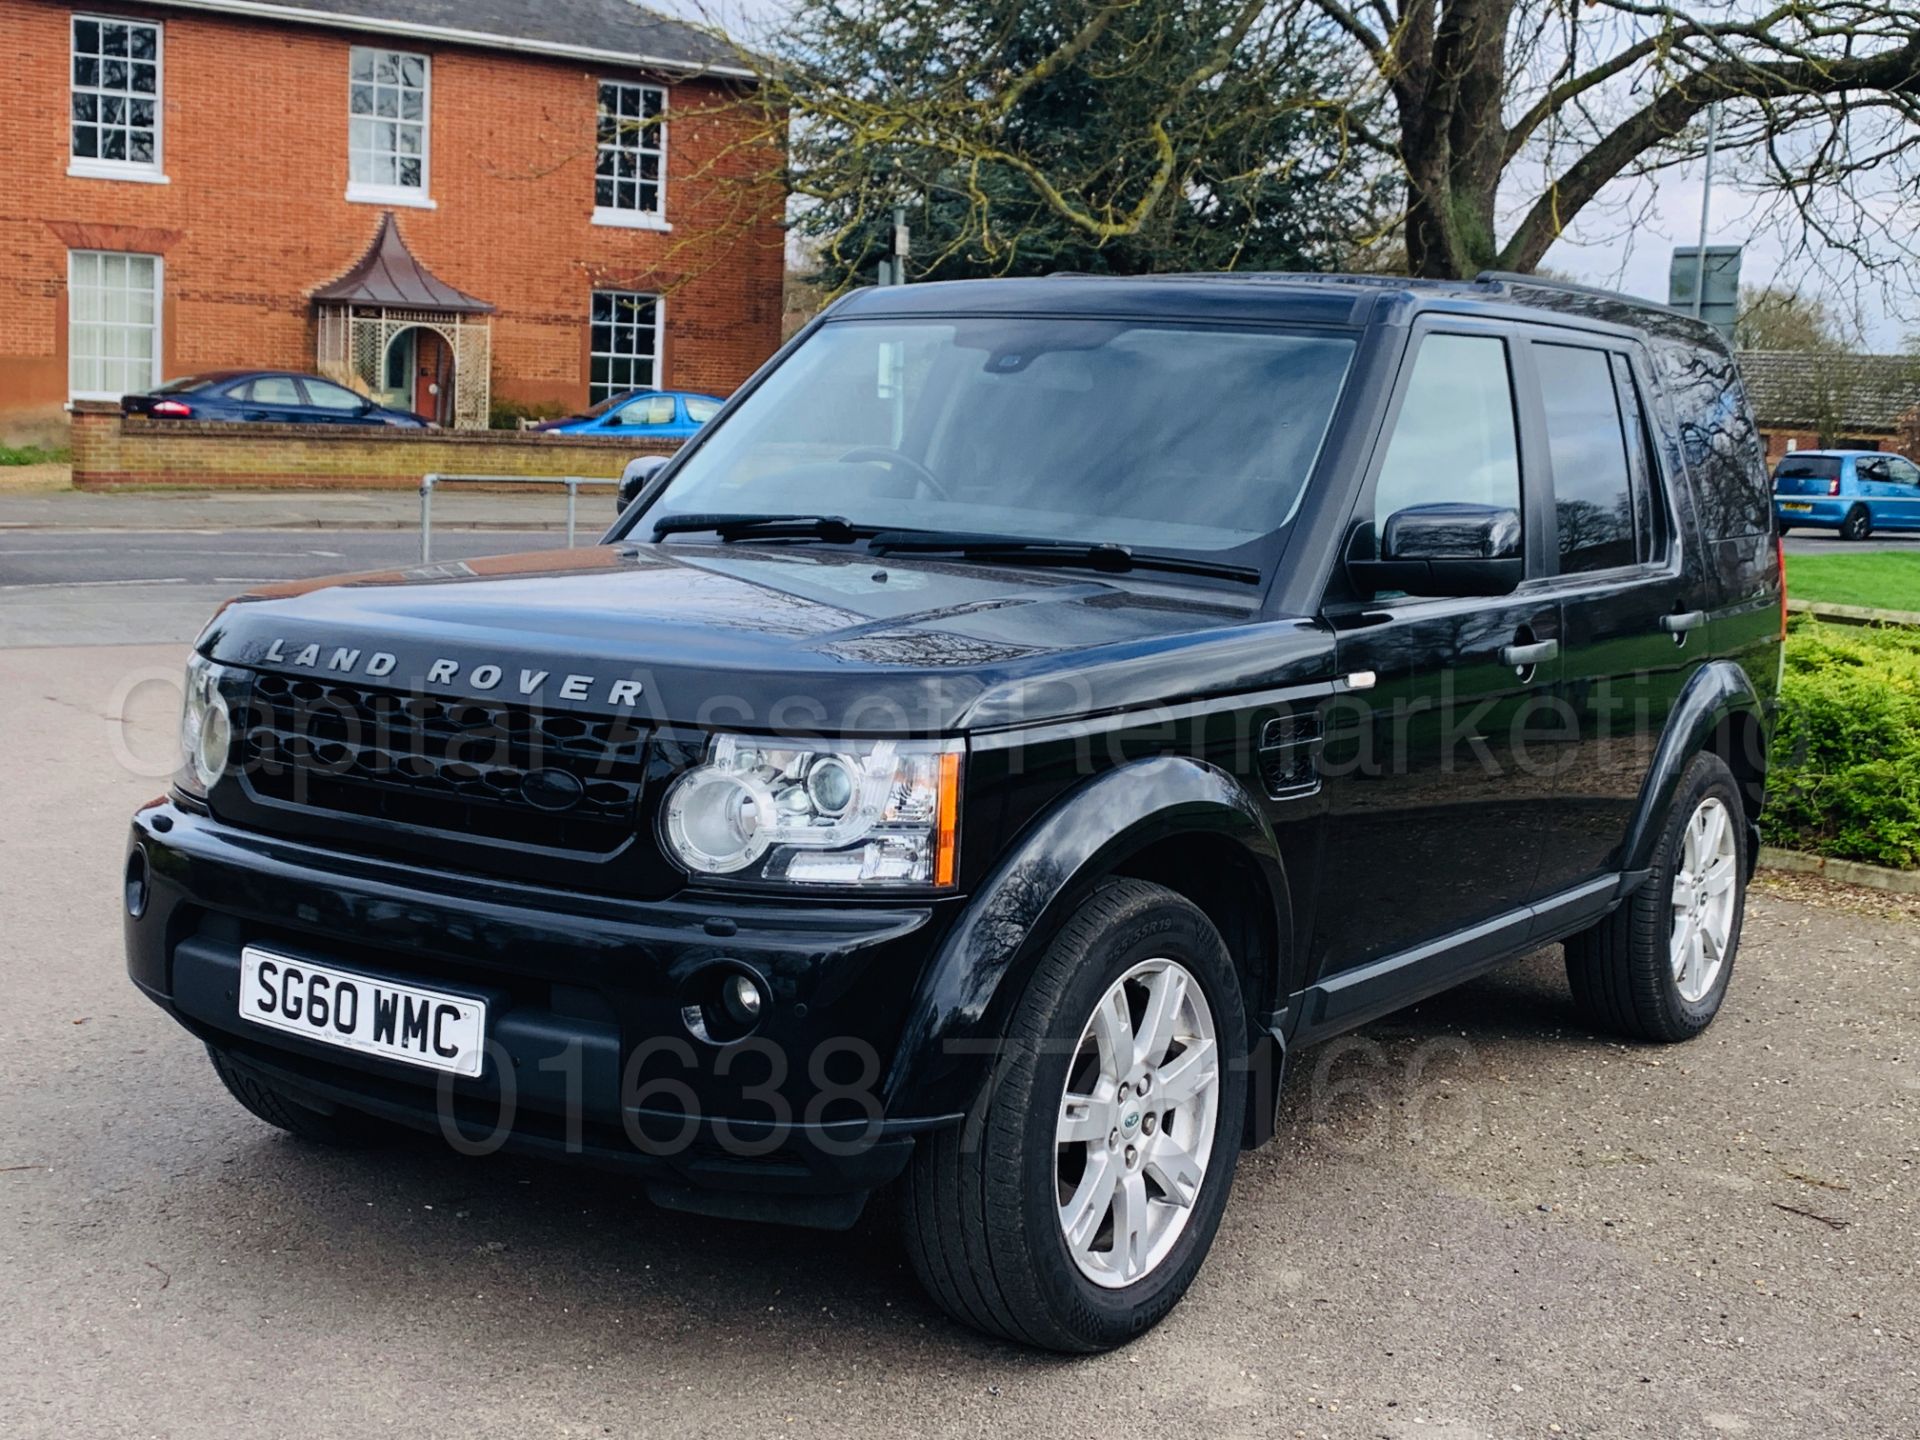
x=109, y=452
x=254, y=214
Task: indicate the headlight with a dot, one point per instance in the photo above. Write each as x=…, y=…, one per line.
x=872, y=813
x=206, y=729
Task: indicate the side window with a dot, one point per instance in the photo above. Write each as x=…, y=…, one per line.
x=331, y=397
x=1903, y=471
x=275, y=390
x=1455, y=437
x=1593, y=490
x=1650, y=516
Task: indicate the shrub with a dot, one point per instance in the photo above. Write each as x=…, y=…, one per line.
x=507, y=414
x=1844, y=777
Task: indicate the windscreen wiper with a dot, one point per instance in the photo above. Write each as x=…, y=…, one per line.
x=835, y=528
x=1013, y=549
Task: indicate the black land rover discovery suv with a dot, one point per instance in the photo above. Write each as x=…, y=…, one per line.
x=1030, y=711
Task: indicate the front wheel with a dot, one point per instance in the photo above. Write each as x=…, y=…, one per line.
x=1858, y=525
x=346, y=1129
x=1074, y=1205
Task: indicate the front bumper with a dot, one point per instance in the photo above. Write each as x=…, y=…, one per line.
x=590, y=1057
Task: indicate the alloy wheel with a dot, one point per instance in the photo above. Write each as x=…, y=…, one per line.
x=1703, y=899
x=1137, y=1122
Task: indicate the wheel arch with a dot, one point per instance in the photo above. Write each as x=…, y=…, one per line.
x=1719, y=713
x=1176, y=821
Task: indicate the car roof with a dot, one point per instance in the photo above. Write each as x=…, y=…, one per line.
x=1343, y=300
x=1831, y=454
x=215, y=377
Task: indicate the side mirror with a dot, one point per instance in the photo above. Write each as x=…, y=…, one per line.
x=635, y=479
x=1446, y=549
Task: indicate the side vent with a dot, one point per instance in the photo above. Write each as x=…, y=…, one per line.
x=1288, y=747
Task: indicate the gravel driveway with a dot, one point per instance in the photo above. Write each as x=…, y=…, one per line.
x=1477, y=1221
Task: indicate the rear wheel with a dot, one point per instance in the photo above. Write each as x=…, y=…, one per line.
x=1073, y=1207
x=345, y=1128
x=1657, y=968
x=1858, y=525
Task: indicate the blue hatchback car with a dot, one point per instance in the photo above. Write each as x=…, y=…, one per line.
x=661, y=414
x=1853, y=491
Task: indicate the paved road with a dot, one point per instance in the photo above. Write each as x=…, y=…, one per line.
x=1825, y=542
x=1478, y=1221
x=112, y=586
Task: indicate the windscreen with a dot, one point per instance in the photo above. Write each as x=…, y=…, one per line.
x=1146, y=434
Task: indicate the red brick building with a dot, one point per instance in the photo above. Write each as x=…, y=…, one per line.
x=578, y=203
x=1814, y=400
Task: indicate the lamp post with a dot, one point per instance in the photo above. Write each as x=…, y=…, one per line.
x=1706, y=209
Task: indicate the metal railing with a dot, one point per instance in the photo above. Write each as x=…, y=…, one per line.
x=429, y=483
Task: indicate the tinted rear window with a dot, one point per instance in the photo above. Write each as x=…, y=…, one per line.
x=1718, y=440
x=1808, y=467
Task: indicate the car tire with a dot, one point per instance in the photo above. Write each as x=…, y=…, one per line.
x=345, y=1129
x=1858, y=525
x=982, y=1203
x=1631, y=973
x=1783, y=529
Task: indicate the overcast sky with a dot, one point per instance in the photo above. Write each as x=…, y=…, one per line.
x=1623, y=240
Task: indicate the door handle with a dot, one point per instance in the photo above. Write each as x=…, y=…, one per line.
x=1521, y=656
x=1684, y=621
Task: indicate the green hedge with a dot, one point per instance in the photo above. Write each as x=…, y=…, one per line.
x=1844, y=777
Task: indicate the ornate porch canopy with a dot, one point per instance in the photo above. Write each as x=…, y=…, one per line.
x=387, y=292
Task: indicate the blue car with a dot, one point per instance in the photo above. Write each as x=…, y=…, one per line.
x=660, y=414
x=1853, y=491
x=273, y=397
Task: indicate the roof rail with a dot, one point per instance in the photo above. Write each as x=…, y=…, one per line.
x=1273, y=277
x=1571, y=287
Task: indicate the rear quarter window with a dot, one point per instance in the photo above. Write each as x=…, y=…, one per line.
x=1718, y=440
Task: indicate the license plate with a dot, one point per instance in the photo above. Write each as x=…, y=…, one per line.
x=1797, y=509
x=370, y=1016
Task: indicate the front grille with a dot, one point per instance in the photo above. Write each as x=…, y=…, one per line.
x=469, y=767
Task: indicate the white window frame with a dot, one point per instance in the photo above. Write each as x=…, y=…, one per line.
x=659, y=344
x=159, y=315
x=363, y=193
x=89, y=167
x=656, y=218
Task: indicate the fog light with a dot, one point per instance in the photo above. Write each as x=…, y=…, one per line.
x=723, y=1003
x=743, y=1001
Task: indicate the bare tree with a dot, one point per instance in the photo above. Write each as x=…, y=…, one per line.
x=1772, y=318
x=1501, y=121
x=1548, y=102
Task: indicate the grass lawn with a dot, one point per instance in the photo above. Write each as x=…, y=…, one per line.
x=32, y=455
x=1885, y=580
